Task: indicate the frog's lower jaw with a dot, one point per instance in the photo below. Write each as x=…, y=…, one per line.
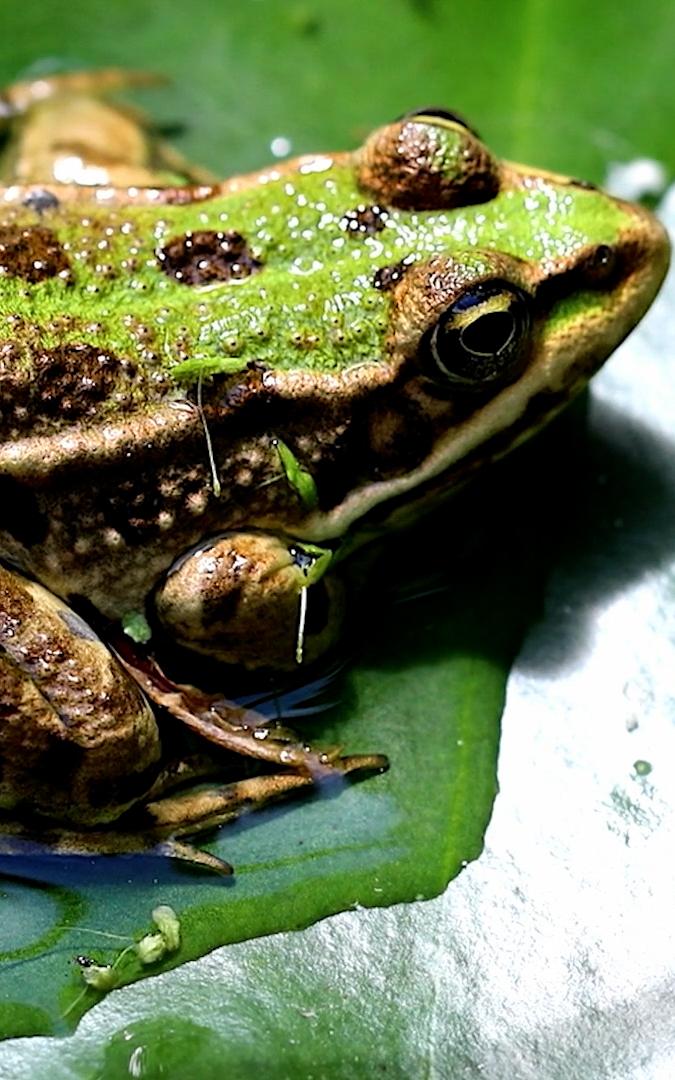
x=252, y=598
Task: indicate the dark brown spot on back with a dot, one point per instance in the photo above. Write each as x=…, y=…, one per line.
x=33, y=253
x=388, y=276
x=205, y=256
x=71, y=380
x=365, y=220
x=42, y=390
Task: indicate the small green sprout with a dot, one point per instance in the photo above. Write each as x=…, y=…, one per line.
x=149, y=950
x=297, y=477
x=201, y=367
x=101, y=977
x=312, y=561
x=153, y=947
x=135, y=626
x=165, y=918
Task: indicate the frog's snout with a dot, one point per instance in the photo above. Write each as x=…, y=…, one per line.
x=647, y=245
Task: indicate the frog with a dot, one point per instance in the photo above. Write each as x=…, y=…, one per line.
x=213, y=392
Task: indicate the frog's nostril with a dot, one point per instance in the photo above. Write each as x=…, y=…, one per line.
x=601, y=265
x=586, y=185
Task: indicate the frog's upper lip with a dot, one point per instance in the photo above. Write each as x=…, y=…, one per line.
x=645, y=247
x=655, y=243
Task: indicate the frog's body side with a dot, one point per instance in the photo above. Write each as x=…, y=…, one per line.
x=157, y=342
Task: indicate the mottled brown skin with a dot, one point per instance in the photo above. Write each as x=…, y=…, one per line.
x=66, y=707
x=105, y=525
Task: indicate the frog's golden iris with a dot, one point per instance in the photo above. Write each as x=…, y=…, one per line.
x=482, y=338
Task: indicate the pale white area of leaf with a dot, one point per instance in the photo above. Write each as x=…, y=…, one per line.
x=553, y=955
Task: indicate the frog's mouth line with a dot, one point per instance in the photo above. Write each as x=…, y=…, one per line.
x=402, y=510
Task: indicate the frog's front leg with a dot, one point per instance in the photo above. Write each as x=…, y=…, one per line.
x=253, y=598
x=18, y=97
x=81, y=764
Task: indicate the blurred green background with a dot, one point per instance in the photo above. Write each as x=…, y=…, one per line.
x=569, y=86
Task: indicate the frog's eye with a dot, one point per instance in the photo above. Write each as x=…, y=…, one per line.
x=429, y=161
x=433, y=113
x=481, y=338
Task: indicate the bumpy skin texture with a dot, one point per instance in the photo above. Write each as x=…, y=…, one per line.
x=158, y=342
x=218, y=601
x=66, y=710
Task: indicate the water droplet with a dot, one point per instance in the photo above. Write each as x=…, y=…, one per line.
x=280, y=146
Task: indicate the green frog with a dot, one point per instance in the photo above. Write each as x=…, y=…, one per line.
x=212, y=392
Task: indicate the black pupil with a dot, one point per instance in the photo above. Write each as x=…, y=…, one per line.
x=489, y=334
x=441, y=114
x=482, y=338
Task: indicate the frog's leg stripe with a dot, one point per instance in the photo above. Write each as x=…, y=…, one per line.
x=186, y=814
x=19, y=96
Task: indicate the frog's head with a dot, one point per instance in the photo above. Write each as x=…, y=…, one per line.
x=510, y=288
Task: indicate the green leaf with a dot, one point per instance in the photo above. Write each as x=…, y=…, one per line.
x=421, y=988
